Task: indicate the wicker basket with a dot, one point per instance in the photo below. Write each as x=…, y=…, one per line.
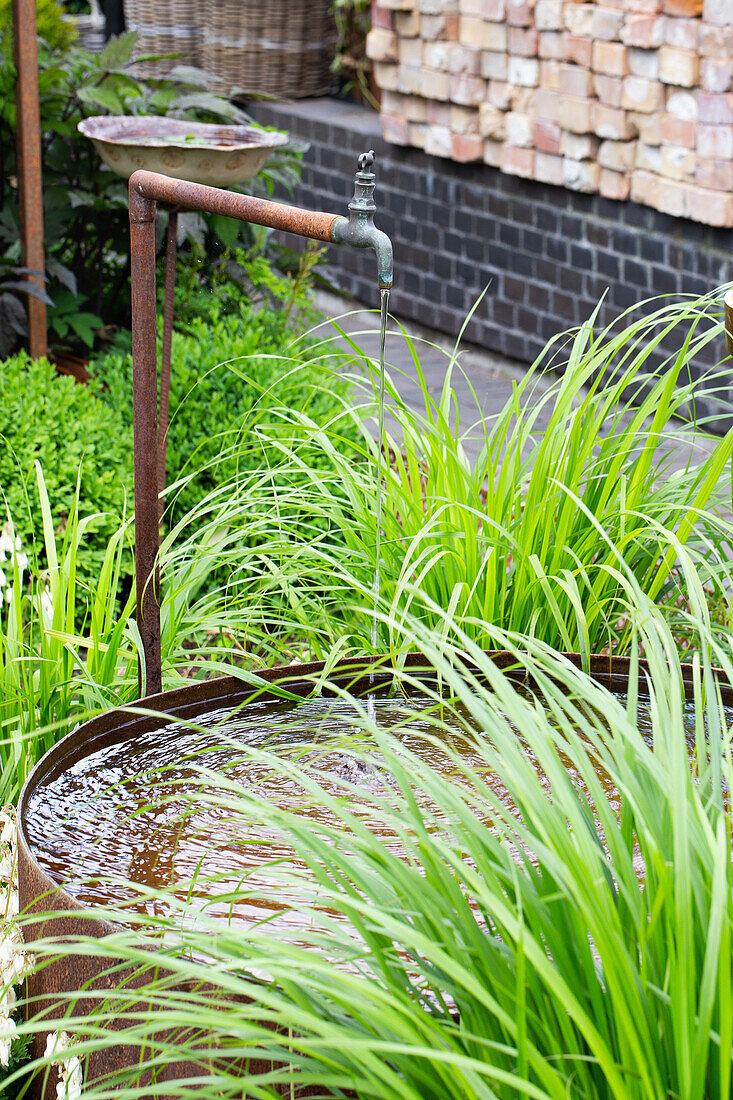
x=271, y=47
x=165, y=27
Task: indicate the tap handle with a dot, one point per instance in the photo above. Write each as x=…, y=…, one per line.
x=366, y=160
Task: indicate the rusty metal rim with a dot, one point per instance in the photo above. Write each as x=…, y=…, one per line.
x=129, y=130
x=195, y=699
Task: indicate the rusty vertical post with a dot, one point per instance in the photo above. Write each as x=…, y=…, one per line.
x=28, y=144
x=145, y=421
x=171, y=252
x=728, y=312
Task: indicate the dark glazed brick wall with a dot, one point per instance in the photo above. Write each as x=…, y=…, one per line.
x=548, y=254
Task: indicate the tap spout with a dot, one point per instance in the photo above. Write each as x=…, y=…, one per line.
x=359, y=229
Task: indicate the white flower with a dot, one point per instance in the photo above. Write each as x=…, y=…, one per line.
x=56, y=1043
x=8, y=1029
x=8, y=1002
x=22, y=561
x=69, y=1087
x=8, y=832
x=18, y=544
x=7, y=863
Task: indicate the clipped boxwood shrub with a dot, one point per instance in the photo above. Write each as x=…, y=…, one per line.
x=229, y=374
x=50, y=417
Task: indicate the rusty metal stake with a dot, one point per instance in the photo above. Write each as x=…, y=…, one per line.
x=30, y=182
x=146, y=190
x=169, y=304
x=728, y=303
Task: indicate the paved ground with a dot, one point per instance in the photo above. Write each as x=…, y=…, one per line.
x=489, y=376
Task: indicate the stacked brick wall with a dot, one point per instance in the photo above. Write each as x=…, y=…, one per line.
x=629, y=98
x=542, y=256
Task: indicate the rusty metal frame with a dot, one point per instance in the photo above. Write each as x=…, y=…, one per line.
x=30, y=181
x=146, y=189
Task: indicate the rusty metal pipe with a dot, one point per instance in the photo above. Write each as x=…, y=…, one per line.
x=146, y=189
x=171, y=255
x=728, y=313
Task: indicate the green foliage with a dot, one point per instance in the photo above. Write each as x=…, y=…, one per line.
x=50, y=418
x=552, y=918
x=85, y=204
x=353, y=22
x=56, y=32
x=232, y=375
x=527, y=538
x=19, y=1057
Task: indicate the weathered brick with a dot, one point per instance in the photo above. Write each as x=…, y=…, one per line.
x=648, y=158
x=467, y=147
x=551, y=45
x=547, y=105
x=481, y=34
x=467, y=89
x=678, y=163
x=614, y=185
x=432, y=27
x=644, y=7
x=522, y=100
x=520, y=13
x=395, y=129
x=683, y=199
x=608, y=89
x=435, y=55
x=518, y=130
x=381, y=45
x=686, y=8
x=578, y=18
x=619, y=156
x=407, y=23
x=524, y=71
x=642, y=95
x=612, y=123
x=492, y=153
x=707, y=206
x=438, y=114
x=548, y=169
x=410, y=52
x=411, y=81
x=433, y=85
x=610, y=58
x=438, y=7
x=644, y=63
x=679, y=67
x=415, y=109
x=500, y=94
x=678, y=131
x=550, y=75
x=716, y=75
x=463, y=59
x=491, y=122
x=644, y=31
x=579, y=146
x=683, y=105
x=575, y=114
x=579, y=49
x=464, y=120
x=715, y=142
x=522, y=41
x=606, y=24
x=714, y=107
x=397, y=5
x=386, y=75
x=493, y=65
x=715, y=41
x=719, y=12
x=548, y=15
x=683, y=33
x=517, y=162
x=717, y=174
x=438, y=141
x=546, y=136
x=382, y=17
x=573, y=80
x=581, y=175
x=646, y=126
x=418, y=134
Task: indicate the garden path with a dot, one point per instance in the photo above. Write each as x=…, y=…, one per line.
x=481, y=387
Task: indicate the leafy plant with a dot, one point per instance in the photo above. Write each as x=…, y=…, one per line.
x=525, y=538
x=50, y=418
x=14, y=286
x=54, y=30
x=64, y=317
x=85, y=204
x=553, y=919
x=353, y=22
